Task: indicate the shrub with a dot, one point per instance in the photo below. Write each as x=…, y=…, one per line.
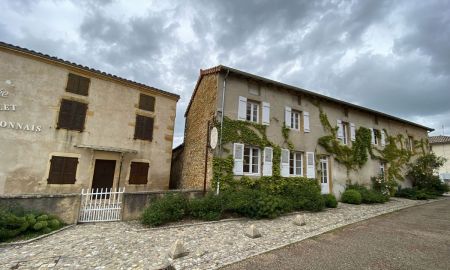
x=369, y=196
x=171, y=207
x=54, y=223
x=330, y=200
x=40, y=225
x=42, y=217
x=303, y=193
x=415, y=194
x=209, y=207
x=351, y=196
x=423, y=174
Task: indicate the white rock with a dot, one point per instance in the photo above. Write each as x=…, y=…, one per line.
x=252, y=232
x=299, y=220
x=177, y=250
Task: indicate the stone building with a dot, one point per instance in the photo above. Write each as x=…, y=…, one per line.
x=440, y=145
x=66, y=127
x=289, y=122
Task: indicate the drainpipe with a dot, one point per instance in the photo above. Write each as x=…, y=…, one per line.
x=221, y=128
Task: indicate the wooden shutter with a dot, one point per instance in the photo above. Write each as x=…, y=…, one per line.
x=284, y=170
x=62, y=170
x=72, y=115
x=78, y=84
x=352, y=132
x=372, y=133
x=138, y=173
x=265, y=113
x=143, y=129
x=242, y=108
x=267, y=165
x=287, y=116
x=146, y=102
x=340, y=133
x=310, y=165
x=306, y=122
x=238, y=155
x=383, y=138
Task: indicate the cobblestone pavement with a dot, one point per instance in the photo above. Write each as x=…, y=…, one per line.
x=128, y=245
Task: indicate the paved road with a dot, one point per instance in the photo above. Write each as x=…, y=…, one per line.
x=413, y=238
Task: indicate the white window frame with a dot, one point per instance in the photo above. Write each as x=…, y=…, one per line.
x=252, y=105
x=250, y=164
x=293, y=114
x=293, y=157
x=324, y=160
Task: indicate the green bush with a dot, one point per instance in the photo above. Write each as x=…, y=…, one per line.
x=351, y=196
x=303, y=193
x=209, y=207
x=330, y=200
x=369, y=196
x=423, y=174
x=171, y=207
x=415, y=194
x=16, y=221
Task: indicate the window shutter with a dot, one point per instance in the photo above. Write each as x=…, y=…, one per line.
x=383, y=138
x=265, y=113
x=238, y=155
x=62, y=170
x=242, y=109
x=267, y=165
x=340, y=132
x=72, y=83
x=287, y=116
x=146, y=102
x=372, y=133
x=79, y=116
x=310, y=165
x=83, y=86
x=69, y=171
x=138, y=173
x=306, y=121
x=352, y=132
x=284, y=170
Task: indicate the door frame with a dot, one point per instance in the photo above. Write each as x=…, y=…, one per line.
x=105, y=156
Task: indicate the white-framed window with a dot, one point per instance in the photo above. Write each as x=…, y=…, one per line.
x=324, y=170
x=251, y=160
x=296, y=164
x=376, y=134
x=382, y=169
x=252, y=113
x=345, y=128
x=295, y=120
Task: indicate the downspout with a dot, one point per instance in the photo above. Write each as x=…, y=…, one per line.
x=221, y=128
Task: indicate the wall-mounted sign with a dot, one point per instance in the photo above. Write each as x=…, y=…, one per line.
x=8, y=107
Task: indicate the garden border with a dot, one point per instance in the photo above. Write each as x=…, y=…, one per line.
x=10, y=244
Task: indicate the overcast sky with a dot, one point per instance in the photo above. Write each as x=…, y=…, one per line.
x=392, y=56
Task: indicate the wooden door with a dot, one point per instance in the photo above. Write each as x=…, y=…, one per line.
x=103, y=174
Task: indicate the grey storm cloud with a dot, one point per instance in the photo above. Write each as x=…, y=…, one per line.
x=392, y=56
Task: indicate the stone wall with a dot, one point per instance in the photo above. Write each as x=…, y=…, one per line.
x=202, y=110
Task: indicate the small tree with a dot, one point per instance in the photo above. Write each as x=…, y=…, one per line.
x=423, y=173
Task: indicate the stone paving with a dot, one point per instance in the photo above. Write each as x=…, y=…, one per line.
x=128, y=245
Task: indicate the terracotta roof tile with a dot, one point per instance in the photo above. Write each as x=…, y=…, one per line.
x=439, y=139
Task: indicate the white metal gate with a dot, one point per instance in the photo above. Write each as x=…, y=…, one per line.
x=101, y=204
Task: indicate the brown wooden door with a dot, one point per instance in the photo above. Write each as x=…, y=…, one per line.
x=103, y=173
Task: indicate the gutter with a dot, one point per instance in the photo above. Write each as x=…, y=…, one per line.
x=221, y=128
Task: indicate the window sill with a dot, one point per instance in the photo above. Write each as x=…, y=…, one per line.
x=252, y=174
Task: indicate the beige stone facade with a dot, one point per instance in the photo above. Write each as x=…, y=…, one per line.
x=440, y=145
x=273, y=100
x=35, y=86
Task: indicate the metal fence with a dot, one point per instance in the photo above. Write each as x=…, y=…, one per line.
x=104, y=204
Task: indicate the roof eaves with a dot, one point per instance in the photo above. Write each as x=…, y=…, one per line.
x=84, y=68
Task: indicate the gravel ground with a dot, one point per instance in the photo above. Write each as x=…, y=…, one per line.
x=414, y=238
x=125, y=245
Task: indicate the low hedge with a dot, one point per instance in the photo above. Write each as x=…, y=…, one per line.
x=268, y=197
x=16, y=222
x=351, y=196
x=330, y=200
x=415, y=194
x=369, y=196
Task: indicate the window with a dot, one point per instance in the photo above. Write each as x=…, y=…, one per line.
x=296, y=164
x=345, y=128
x=72, y=115
x=409, y=143
x=376, y=135
x=324, y=170
x=144, y=128
x=252, y=111
x=382, y=169
x=62, y=170
x=138, y=173
x=146, y=102
x=78, y=85
x=253, y=89
x=295, y=120
x=251, y=160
